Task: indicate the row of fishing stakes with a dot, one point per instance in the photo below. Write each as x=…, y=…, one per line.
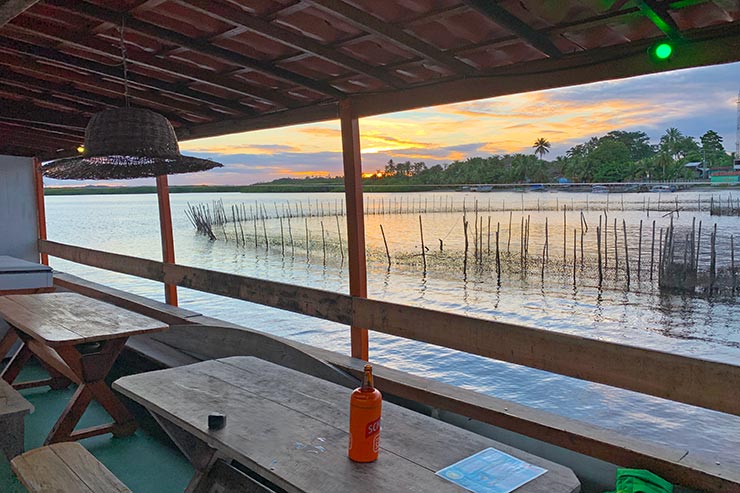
x=417, y=204
x=603, y=256
x=205, y=218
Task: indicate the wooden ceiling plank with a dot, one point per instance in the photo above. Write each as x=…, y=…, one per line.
x=709, y=46
x=10, y=9
x=70, y=93
x=73, y=62
x=31, y=127
x=367, y=22
x=28, y=110
x=658, y=15
x=506, y=19
x=289, y=38
x=191, y=72
x=203, y=47
x=140, y=58
x=58, y=141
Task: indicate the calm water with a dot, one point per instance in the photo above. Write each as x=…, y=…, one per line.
x=643, y=317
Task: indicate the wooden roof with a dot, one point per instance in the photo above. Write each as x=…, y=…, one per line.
x=221, y=66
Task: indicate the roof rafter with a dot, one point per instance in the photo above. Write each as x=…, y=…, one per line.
x=67, y=92
x=191, y=72
x=200, y=46
x=25, y=126
x=368, y=22
x=76, y=63
x=10, y=9
x=658, y=15
x=506, y=19
x=45, y=116
x=284, y=36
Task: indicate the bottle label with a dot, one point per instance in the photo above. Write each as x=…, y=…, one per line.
x=372, y=428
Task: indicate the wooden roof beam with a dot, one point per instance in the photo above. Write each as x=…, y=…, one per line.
x=191, y=72
x=47, y=116
x=29, y=126
x=658, y=15
x=66, y=94
x=366, y=22
x=289, y=38
x=105, y=15
x=73, y=62
x=506, y=19
x=10, y=9
x=709, y=46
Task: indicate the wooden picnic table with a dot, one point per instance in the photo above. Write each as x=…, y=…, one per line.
x=291, y=429
x=77, y=339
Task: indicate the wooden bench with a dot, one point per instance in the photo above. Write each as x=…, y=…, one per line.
x=13, y=410
x=65, y=467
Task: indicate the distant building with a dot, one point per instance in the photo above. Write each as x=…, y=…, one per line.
x=698, y=167
x=725, y=177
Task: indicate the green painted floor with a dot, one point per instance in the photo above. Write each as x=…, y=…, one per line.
x=145, y=462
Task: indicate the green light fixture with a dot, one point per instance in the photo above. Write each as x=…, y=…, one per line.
x=661, y=51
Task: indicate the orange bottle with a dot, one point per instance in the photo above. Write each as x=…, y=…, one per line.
x=364, y=420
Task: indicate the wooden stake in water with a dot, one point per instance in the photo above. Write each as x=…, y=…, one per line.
x=732, y=263
x=423, y=248
x=282, y=237
x=498, y=257
x=713, y=259
x=387, y=252
x=606, y=240
x=626, y=252
x=465, y=256
x=598, y=251
x=575, y=255
x=698, y=247
x=652, y=252
x=339, y=235
x=290, y=236
x=323, y=240
x=616, y=251
x=308, y=240
x=508, y=243
x=639, y=252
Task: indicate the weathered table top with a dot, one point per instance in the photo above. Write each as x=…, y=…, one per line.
x=292, y=429
x=59, y=319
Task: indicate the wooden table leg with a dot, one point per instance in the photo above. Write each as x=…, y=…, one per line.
x=12, y=371
x=91, y=370
x=7, y=342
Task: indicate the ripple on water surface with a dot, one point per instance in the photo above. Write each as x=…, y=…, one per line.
x=678, y=324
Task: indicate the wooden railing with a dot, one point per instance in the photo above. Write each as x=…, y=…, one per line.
x=703, y=383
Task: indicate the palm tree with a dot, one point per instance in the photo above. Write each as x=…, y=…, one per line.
x=541, y=146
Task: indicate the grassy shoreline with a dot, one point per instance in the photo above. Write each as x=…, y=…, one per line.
x=307, y=188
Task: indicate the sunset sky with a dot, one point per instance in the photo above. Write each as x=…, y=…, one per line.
x=694, y=101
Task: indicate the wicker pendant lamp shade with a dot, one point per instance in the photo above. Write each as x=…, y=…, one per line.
x=125, y=143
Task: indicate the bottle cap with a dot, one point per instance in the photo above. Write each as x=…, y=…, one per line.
x=216, y=421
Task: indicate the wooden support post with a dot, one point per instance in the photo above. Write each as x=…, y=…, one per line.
x=355, y=218
x=40, y=206
x=165, y=226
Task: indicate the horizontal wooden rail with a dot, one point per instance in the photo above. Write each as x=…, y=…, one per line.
x=208, y=341
x=679, y=378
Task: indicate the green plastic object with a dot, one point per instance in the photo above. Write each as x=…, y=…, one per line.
x=641, y=481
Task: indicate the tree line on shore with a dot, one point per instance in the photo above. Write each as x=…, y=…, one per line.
x=615, y=157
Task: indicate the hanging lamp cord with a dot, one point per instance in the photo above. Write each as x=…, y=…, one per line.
x=124, y=60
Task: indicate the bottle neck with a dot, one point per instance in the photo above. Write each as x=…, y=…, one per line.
x=367, y=379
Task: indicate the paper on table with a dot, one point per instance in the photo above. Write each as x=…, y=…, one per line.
x=491, y=471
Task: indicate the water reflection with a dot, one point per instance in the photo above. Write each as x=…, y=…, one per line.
x=705, y=328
